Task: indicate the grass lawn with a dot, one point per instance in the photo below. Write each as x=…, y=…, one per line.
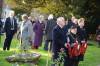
x=92, y=56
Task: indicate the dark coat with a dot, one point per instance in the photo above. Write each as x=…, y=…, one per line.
x=49, y=28
x=82, y=34
x=72, y=38
x=7, y=26
x=65, y=28
x=59, y=39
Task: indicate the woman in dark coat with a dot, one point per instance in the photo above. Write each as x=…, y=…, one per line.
x=81, y=35
x=72, y=40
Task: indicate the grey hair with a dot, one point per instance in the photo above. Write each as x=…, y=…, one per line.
x=50, y=16
x=59, y=19
x=24, y=16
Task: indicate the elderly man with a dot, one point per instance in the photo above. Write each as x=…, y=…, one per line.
x=10, y=29
x=59, y=39
x=51, y=23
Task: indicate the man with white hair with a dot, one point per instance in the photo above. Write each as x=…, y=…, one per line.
x=59, y=39
x=10, y=29
x=50, y=17
x=50, y=24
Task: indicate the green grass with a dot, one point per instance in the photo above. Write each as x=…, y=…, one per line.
x=92, y=56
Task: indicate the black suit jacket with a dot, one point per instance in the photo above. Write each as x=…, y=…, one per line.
x=8, y=25
x=59, y=39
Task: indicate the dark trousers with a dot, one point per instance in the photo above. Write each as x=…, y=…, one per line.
x=74, y=62
x=66, y=61
x=81, y=57
x=46, y=46
x=9, y=36
x=54, y=58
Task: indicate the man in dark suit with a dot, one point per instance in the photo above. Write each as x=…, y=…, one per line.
x=51, y=23
x=10, y=29
x=59, y=40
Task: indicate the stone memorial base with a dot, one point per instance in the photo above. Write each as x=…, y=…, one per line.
x=24, y=58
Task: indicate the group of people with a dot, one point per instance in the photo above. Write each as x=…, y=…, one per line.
x=29, y=32
x=69, y=37
x=60, y=36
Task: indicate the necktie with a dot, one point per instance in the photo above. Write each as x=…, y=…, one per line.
x=12, y=23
